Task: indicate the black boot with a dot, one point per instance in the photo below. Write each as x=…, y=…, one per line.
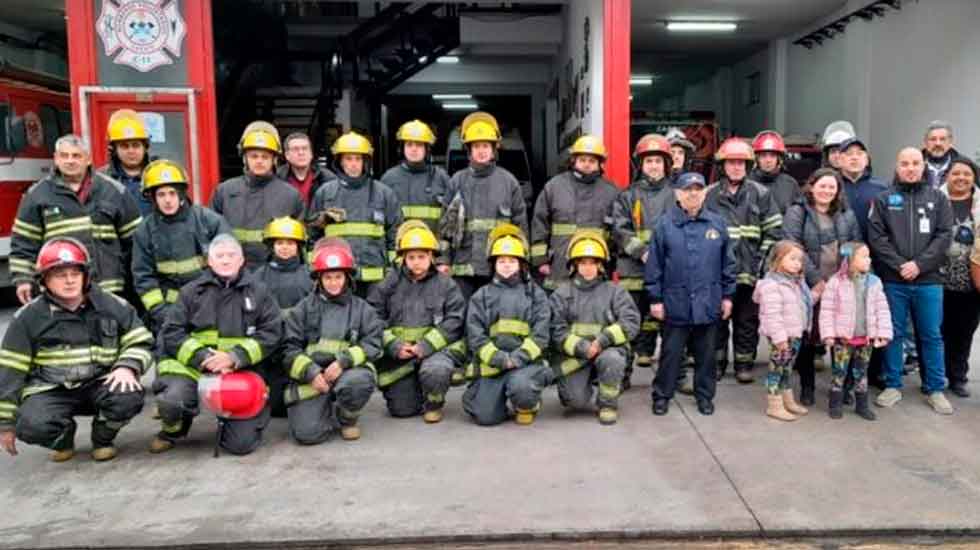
x=836, y=404
x=807, y=397
x=848, y=397
x=720, y=369
x=861, y=406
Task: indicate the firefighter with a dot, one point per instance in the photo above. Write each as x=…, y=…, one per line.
x=593, y=321
x=507, y=332
x=170, y=246
x=129, y=154
x=481, y=197
x=361, y=210
x=754, y=224
x=224, y=321
x=299, y=170
x=579, y=198
x=332, y=338
x=419, y=184
x=286, y=274
x=834, y=135
x=256, y=197
x=74, y=202
x=424, y=312
x=634, y=215
x=681, y=151
x=770, y=169
x=74, y=350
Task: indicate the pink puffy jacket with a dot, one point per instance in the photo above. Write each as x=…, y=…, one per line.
x=837, y=309
x=781, y=314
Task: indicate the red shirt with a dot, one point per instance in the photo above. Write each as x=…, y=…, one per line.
x=303, y=186
x=85, y=189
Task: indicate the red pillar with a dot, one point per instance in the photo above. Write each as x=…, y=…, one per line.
x=616, y=88
x=80, y=16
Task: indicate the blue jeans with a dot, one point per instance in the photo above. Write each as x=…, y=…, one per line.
x=925, y=302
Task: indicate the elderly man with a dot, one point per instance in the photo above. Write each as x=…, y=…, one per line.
x=299, y=170
x=909, y=232
x=73, y=202
x=938, y=151
x=223, y=321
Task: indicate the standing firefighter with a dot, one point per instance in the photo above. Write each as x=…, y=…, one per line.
x=579, y=198
x=481, y=197
x=634, y=215
x=75, y=350
x=170, y=247
x=681, y=150
x=332, y=337
x=359, y=209
x=251, y=200
x=223, y=322
x=419, y=185
x=129, y=154
x=770, y=156
x=507, y=331
x=424, y=312
x=754, y=225
x=593, y=321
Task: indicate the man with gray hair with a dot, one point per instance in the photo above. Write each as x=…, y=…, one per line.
x=938, y=151
x=73, y=201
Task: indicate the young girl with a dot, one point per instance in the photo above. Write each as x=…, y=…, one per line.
x=854, y=316
x=785, y=316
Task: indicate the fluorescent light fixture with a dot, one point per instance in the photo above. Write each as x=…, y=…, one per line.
x=451, y=96
x=447, y=59
x=641, y=80
x=459, y=106
x=701, y=26
x=423, y=59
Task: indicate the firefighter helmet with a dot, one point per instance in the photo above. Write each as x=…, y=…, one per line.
x=126, y=124
x=331, y=254
x=507, y=240
x=587, y=243
x=235, y=395
x=284, y=228
x=654, y=144
x=676, y=136
x=589, y=145
x=769, y=141
x=163, y=172
x=415, y=235
x=479, y=126
x=836, y=133
x=260, y=135
x=735, y=148
x=59, y=252
x=352, y=143
x=416, y=130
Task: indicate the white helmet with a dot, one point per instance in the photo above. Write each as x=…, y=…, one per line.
x=836, y=133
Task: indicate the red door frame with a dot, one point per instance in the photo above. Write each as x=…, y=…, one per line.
x=198, y=49
x=616, y=18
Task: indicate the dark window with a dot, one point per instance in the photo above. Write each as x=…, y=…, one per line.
x=4, y=125
x=49, y=122
x=64, y=122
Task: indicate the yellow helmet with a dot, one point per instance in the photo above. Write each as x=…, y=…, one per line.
x=587, y=243
x=260, y=135
x=589, y=145
x=479, y=126
x=415, y=235
x=507, y=240
x=126, y=124
x=284, y=228
x=416, y=130
x=163, y=172
x=352, y=143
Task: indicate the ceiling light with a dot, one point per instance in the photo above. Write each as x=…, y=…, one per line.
x=700, y=26
x=459, y=106
x=423, y=59
x=447, y=59
x=641, y=80
x=451, y=96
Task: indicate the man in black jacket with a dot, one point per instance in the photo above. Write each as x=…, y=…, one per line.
x=909, y=231
x=299, y=170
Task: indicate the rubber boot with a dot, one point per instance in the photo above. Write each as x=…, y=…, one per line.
x=608, y=416
x=861, y=406
x=791, y=405
x=432, y=417
x=524, y=418
x=836, y=404
x=777, y=410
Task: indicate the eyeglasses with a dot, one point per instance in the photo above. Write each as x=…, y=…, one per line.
x=299, y=149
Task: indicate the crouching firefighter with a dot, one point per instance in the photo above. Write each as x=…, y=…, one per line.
x=332, y=338
x=507, y=331
x=593, y=321
x=423, y=342
x=73, y=350
x=224, y=321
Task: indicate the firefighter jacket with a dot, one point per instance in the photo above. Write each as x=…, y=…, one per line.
x=171, y=251
x=238, y=316
x=784, y=188
x=569, y=202
x=250, y=202
x=47, y=347
x=322, y=329
x=289, y=281
x=634, y=216
x=507, y=326
x=754, y=224
x=104, y=223
x=429, y=312
x=421, y=190
x=479, y=199
x=370, y=219
x=586, y=311
x=133, y=184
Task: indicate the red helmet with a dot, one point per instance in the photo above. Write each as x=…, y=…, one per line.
x=331, y=254
x=653, y=144
x=769, y=141
x=235, y=395
x=735, y=148
x=61, y=251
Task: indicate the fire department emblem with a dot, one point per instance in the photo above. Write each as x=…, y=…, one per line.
x=146, y=33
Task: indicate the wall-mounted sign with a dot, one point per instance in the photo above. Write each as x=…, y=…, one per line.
x=146, y=33
x=155, y=125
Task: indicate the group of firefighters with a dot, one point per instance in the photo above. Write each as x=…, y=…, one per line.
x=298, y=292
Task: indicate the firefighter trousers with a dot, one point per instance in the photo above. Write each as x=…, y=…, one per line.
x=744, y=332
x=47, y=418
x=575, y=390
x=424, y=389
x=314, y=416
x=486, y=398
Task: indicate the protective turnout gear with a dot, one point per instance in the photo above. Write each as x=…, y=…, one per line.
x=734, y=148
x=479, y=126
x=333, y=254
x=53, y=362
x=260, y=135
x=836, y=133
x=284, y=228
x=126, y=124
x=415, y=235
x=417, y=131
x=162, y=172
x=676, y=136
x=587, y=244
x=507, y=240
x=320, y=331
x=769, y=141
x=104, y=223
x=427, y=313
x=61, y=252
x=352, y=143
x=239, y=317
x=235, y=395
x=421, y=189
x=784, y=187
x=653, y=144
x=588, y=145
